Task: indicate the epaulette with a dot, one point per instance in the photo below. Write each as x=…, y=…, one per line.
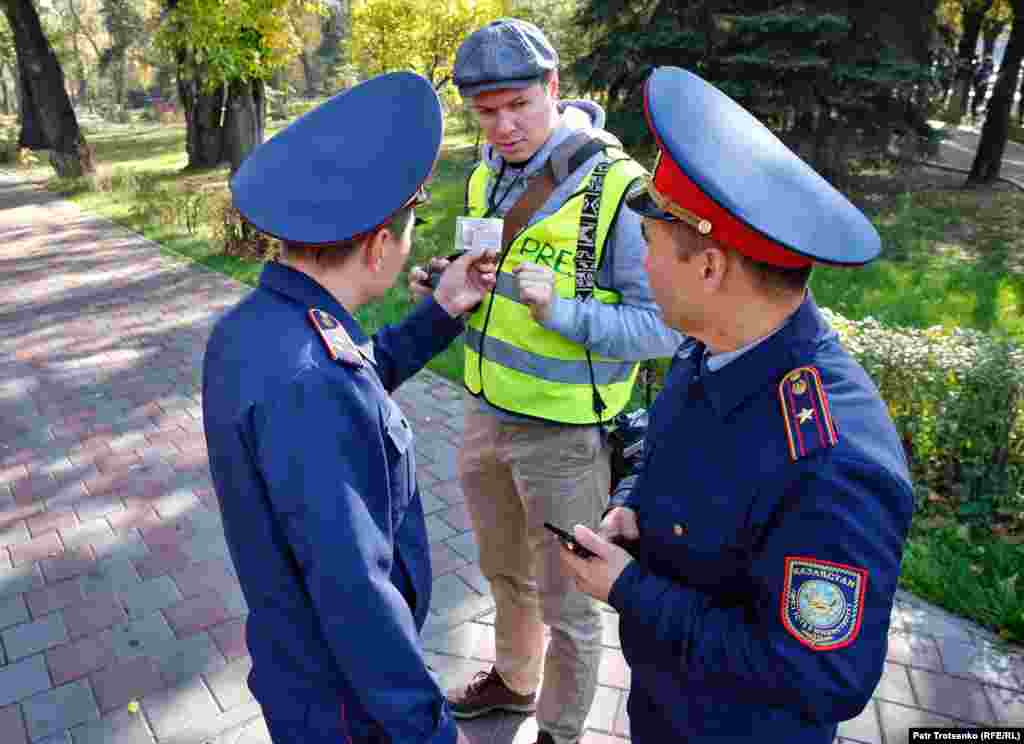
x=339, y=344
x=805, y=410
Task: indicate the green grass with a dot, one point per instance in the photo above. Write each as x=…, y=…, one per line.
x=968, y=574
x=950, y=258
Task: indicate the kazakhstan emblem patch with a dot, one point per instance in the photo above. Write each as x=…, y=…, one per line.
x=823, y=602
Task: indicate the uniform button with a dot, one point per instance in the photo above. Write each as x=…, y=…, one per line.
x=680, y=530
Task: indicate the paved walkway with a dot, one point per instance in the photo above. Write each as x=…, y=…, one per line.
x=958, y=150
x=115, y=583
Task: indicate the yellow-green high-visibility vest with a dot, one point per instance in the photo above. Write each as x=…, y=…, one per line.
x=512, y=361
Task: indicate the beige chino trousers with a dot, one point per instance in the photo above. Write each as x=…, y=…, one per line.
x=516, y=477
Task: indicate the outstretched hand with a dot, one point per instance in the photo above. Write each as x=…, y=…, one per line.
x=466, y=281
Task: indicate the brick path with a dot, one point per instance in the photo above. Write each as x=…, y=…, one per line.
x=115, y=583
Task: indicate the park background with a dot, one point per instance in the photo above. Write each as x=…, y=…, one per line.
x=143, y=108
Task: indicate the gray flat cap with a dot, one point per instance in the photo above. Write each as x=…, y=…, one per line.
x=506, y=53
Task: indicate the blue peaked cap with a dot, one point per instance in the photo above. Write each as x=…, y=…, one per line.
x=725, y=172
x=345, y=167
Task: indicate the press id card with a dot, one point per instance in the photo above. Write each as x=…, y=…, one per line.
x=478, y=234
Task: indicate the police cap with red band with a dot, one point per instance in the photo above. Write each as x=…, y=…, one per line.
x=347, y=166
x=725, y=173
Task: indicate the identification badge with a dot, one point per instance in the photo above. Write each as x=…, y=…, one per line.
x=478, y=234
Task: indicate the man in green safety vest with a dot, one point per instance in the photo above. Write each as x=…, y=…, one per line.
x=551, y=353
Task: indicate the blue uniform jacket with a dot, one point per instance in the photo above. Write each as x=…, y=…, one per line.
x=313, y=466
x=758, y=607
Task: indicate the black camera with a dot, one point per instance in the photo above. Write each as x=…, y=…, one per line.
x=626, y=438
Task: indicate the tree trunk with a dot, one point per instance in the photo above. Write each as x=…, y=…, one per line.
x=3, y=86
x=243, y=120
x=972, y=21
x=204, y=139
x=989, y=158
x=1020, y=98
x=309, y=72
x=990, y=36
x=48, y=121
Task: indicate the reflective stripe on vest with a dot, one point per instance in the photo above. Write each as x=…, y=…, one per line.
x=512, y=361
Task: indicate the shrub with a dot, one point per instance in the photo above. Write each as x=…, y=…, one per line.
x=957, y=398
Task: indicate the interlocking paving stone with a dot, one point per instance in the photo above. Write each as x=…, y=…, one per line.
x=147, y=636
x=177, y=707
x=149, y=596
x=1008, y=704
x=96, y=613
x=12, y=725
x=46, y=545
x=161, y=560
x=13, y=611
x=465, y=545
x=189, y=658
x=865, y=727
x=454, y=670
x=198, y=578
x=229, y=685
x=124, y=545
x=31, y=638
x=602, y=712
x=438, y=529
x=119, y=684
x=95, y=530
x=109, y=575
x=449, y=592
x=68, y=565
x=960, y=698
x=98, y=506
x=119, y=727
x=472, y=575
x=914, y=650
x=23, y=678
x=78, y=658
x=196, y=613
x=895, y=685
x=235, y=603
x=469, y=640
x=230, y=638
x=613, y=671
x=984, y=662
x=896, y=719
x=51, y=521
x=219, y=729
x=54, y=711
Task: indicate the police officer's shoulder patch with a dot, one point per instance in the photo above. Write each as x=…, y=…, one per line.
x=339, y=344
x=808, y=420
x=823, y=602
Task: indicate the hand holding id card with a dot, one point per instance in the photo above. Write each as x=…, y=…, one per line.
x=478, y=234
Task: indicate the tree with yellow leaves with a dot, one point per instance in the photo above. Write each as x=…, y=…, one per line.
x=409, y=34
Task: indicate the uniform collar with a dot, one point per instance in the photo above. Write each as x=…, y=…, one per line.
x=304, y=290
x=767, y=362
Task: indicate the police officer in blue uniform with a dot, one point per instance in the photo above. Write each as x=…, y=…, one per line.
x=311, y=458
x=766, y=524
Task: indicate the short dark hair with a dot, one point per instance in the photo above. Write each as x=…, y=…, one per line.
x=778, y=279
x=774, y=279
x=332, y=254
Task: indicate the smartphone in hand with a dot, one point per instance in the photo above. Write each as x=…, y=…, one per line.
x=570, y=543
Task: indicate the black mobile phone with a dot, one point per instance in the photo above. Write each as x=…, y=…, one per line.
x=570, y=542
x=434, y=275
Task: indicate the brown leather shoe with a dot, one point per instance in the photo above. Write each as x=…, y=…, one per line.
x=487, y=693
